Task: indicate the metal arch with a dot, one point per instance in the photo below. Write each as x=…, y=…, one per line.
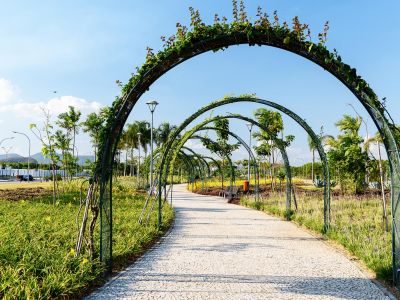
x=294, y=116
x=188, y=165
x=251, y=35
x=202, y=163
x=241, y=141
x=201, y=127
x=237, y=116
x=232, y=178
x=199, y=157
x=188, y=162
x=213, y=160
x=199, y=173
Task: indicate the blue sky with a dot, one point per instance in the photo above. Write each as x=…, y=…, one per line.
x=80, y=48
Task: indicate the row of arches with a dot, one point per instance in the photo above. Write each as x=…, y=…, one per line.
x=205, y=39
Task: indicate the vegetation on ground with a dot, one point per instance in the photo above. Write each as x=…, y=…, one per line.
x=356, y=223
x=37, y=256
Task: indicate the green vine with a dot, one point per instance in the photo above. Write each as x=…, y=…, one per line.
x=296, y=39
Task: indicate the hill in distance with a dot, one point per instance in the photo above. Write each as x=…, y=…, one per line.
x=38, y=158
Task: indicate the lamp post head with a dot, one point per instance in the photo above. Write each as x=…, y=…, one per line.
x=249, y=126
x=152, y=105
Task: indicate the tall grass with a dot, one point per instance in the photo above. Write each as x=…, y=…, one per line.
x=38, y=238
x=356, y=223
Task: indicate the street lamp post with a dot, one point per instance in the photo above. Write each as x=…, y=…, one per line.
x=6, y=150
x=77, y=161
x=152, y=106
x=1, y=142
x=249, y=127
x=9, y=138
x=29, y=149
x=138, y=169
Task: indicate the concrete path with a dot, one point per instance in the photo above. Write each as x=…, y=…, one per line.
x=224, y=251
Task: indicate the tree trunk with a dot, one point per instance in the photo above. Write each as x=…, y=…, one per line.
x=54, y=183
x=312, y=165
x=222, y=173
x=131, y=171
x=273, y=172
x=126, y=161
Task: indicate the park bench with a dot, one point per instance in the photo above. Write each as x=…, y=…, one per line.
x=231, y=192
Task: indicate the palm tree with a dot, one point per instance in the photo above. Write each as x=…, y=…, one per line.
x=145, y=138
x=162, y=132
x=92, y=125
x=62, y=142
x=312, y=147
x=70, y=122
x=131, y=141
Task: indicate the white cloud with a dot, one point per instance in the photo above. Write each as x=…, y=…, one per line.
x=16, y=114
x=7, y=91
x=34, y=110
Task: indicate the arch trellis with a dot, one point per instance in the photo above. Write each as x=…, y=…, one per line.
x=231, y=166
x=172, y=143
x=203, y=38
x=199, y=157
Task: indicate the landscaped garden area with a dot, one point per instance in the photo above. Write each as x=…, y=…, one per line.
x=324, y=155
x=37, y=245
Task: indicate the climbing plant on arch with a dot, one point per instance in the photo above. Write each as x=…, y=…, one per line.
x=202, y=38
x=176, y=144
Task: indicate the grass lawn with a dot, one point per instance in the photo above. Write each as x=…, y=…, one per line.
x=38, y=238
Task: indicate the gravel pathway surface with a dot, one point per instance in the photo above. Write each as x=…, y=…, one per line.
x=224, y=251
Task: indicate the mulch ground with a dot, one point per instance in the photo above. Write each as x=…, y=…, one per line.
x=265, y=191
x=19, y=194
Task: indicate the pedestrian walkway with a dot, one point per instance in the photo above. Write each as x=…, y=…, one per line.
x=217, y=250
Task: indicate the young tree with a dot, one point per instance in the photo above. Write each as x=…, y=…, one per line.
x=46, y=136
x=93, y=124
x=268, y=140
x=263, y=151
x=70, y=122
x=221, y=147
x=62, y=142
x=347, y=154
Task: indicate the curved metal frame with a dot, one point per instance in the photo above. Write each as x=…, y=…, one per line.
x=294, y=116
x=198, y=157
x=233, y=176
x=205, y=41
x=180, y=142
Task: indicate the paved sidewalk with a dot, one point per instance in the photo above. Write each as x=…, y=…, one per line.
x=224, y=251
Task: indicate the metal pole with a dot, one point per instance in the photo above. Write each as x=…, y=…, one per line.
x=151, y=154
x=250, y=127
x=249, y=154
x=77, y=161
x=138, y=172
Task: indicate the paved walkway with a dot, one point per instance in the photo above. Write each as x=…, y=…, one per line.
x=224, y=251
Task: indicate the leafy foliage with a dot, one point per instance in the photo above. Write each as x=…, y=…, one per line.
x=347, y=154
x=201, y=37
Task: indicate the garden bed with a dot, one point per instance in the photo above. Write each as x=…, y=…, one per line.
x=38, y=238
